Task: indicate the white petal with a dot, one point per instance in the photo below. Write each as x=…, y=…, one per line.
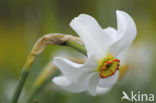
x=61, y=80
x=108, y=82
x=100, y=90
x=64, y=83
x=94, y=37
x=111, y=31
x=68, y=68
x=74, y=71
x=76, y=87
x=93, y=84
x=123, y=56
x=126, y=33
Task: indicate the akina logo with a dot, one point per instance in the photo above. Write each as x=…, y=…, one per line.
x=137, y=96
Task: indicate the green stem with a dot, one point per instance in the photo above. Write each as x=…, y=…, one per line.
x=35, y=90
x=20, y=85
x=43, y=78
x=32, y=56
x=32, y=94
x=76, y=46
x=23, y=76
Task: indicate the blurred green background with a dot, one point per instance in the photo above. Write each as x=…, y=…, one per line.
x=22, y=22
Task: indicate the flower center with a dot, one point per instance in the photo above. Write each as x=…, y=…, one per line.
x=108, y=66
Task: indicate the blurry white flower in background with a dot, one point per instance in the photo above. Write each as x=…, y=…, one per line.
x=139, y=59
x=100, y=72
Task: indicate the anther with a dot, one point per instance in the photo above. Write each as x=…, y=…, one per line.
x=116, y=60
x=109, y=62
x=103, y=68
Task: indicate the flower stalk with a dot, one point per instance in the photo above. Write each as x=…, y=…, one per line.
x=44, y=77
x=20, y=85
x=41, y=80
x=41, y=44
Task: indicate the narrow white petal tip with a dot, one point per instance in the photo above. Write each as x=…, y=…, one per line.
x=61, y=81
x=123, y=16
x=119, y=11
x=126, y=33
x=80, y=19
x=130, y=26
x=84, y=15
x=56, y=59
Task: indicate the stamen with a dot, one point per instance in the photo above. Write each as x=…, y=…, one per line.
x=105, y=67
x=116, y=60
x=109, y=62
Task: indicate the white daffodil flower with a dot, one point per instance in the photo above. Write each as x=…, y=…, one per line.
x=100, y=72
